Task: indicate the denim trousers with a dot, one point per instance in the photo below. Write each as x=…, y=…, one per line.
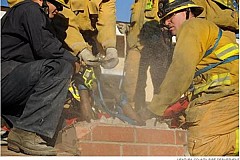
x=33, y=95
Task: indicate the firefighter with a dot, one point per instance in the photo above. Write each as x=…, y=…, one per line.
x=204, y=68
x=35, y=76
x=149, y=46
x=90, y=29
x=87, y=28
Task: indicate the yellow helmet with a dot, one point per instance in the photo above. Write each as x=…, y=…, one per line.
x=226, y=3
x=167, y=7
x=63, y=2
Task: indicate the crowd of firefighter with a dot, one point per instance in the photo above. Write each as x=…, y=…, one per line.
x=52, y=53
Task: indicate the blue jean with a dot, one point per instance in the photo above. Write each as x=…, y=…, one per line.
x=33, y=95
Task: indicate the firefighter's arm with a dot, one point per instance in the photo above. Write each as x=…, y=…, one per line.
x=68, y=28
x=72, y=37
x=106, y=24
x=202, y=4
x=180, y=74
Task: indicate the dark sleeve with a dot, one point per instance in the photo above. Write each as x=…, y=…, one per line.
x=44, y=43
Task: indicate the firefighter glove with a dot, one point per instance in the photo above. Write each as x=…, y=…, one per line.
x=89, y=58
x=111, y=59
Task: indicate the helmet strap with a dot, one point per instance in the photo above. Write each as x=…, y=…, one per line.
x=45, y=7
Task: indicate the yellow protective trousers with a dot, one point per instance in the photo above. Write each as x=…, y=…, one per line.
x=214, y=129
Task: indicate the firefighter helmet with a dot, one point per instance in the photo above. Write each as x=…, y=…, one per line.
x=167, y=7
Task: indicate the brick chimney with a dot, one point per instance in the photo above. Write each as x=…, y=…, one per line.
x=119, y=139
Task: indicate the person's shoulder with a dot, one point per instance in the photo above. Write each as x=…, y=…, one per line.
x=27, y=5
x=30, y=8
x=199, y=21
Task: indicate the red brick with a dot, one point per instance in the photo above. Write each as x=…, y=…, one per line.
x=113, y=134
x=68, y=137
x=134, y=150
x=180, y=151
x=181, y=137
x=67, y=141
x=155, y=136
x=163, y=150
x=83, y=133
x=108, y=140
x=99, y=149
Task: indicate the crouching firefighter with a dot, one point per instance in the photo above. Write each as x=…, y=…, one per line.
x=36, y=73
x=206, y=59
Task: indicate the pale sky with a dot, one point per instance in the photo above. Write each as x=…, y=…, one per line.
x=124, y=10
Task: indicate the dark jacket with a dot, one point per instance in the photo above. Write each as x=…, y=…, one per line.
x=27, y=36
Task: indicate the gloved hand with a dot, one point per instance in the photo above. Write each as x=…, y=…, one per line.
x=111, y=59
x=89, y=58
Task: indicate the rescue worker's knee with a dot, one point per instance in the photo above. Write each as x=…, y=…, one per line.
x=66, y=67
x=59, y=68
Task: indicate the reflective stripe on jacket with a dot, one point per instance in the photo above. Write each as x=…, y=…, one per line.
x=227, y=51
x=194, y=38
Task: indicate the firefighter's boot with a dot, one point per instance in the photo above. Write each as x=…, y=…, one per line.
x=29, y=143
